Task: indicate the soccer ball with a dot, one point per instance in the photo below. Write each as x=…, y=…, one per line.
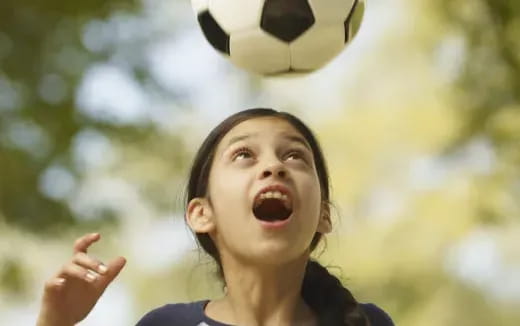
x=272, y=37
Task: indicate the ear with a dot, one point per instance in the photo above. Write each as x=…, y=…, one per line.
x=324, y=224
x=199, y=216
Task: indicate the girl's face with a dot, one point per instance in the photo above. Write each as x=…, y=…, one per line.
x=256, y=154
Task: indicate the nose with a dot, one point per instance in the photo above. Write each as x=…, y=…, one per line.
x=276, y=170
x=287, y=19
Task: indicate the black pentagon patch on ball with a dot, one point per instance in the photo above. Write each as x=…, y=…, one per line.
x=286, y=19
x=215, y=35
x=349, y=20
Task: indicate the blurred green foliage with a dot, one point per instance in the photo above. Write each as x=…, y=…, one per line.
x=12, y=277
x=39, y=39
x=488, y=90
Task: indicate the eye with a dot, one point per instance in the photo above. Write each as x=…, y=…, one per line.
x=295, y=155
x=242, y=153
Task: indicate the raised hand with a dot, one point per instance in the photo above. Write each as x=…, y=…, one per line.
x=71, y=294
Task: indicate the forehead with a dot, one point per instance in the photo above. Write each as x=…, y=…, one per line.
x=261, y=128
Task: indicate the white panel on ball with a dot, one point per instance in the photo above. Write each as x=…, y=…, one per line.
x=331, y=11
x=257, y=51
x=199, y=5
x=317, y=46
x=236, y=15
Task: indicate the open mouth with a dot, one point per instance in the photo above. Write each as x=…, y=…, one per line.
x=272, y=206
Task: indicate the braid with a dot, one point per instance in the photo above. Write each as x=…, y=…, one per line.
x=326, y=296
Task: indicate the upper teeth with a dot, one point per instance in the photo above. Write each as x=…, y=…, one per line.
x=274, y=194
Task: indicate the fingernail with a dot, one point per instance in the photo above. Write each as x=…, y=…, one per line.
x=102, y=269
x=91, y=277
x=60, y=281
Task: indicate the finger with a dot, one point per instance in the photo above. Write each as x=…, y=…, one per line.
x=82, y=244
x=114, y=268
x=73, y=271
x=84, y=260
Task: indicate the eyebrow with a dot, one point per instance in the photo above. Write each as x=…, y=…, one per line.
x=293, y=138
x=239, y=138
x=297, y=139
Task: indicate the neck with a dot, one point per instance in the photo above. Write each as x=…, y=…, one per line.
x=263, y=295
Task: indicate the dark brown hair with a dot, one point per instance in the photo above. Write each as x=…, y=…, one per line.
x=333, y=304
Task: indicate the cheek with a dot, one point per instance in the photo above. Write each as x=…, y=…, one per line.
x=230, y=207
x=311, y=194
x=228, y=194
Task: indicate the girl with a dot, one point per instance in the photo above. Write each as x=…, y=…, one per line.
x=258, y=202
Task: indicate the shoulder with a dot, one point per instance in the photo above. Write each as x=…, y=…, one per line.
x=175, y=314
x=376, y=315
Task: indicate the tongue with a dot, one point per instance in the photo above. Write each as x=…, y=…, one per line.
x=271, y=209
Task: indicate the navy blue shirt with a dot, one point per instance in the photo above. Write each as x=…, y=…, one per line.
x=192, y=314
